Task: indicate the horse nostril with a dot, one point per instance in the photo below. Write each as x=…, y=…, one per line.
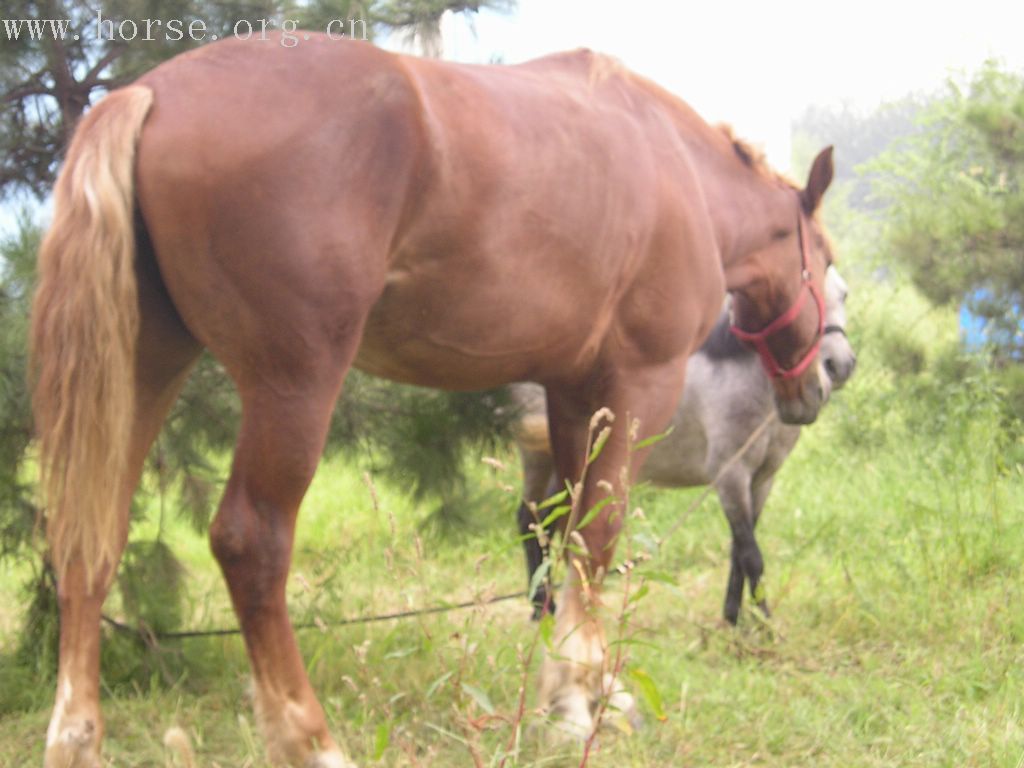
x=830, y=368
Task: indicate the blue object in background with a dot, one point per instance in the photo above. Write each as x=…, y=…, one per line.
x=978, y=332
x=972, y=329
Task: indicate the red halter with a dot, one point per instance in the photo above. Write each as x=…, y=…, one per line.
x=759, y=339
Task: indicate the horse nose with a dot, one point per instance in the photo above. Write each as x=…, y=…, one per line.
x=831, y=369
x=839, y=369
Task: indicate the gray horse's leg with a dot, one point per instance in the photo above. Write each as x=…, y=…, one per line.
x=735, y=493
x=759, y=491
x=538, y=474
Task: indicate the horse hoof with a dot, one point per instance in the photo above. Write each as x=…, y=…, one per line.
x=332, y=759
x=570, y=718
x=73, y=746
x=622, y=711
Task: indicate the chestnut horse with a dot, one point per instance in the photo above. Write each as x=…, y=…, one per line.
x=301, y=210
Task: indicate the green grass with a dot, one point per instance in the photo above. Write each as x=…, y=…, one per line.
x=892, y=542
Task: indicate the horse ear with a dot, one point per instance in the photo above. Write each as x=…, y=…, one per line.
x=818, y=180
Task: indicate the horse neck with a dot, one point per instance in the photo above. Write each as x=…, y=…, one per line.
x=748, y=206
x=748, y=210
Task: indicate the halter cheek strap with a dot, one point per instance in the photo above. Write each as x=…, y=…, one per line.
x=759, y=339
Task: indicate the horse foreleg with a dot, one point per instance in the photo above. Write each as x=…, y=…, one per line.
x=577, y=673
x=746, y=564
x=759, y=491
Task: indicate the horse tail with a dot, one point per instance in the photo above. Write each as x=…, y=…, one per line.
x=85, y=324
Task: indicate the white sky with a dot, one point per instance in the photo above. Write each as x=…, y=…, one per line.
x=758, y=63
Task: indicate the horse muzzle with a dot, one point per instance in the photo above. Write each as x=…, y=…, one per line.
x=837, y=356
x=803, y=406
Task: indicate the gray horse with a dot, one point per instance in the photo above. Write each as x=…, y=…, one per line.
x=726, y=398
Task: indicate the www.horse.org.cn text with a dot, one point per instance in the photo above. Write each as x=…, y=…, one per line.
x=176, y=30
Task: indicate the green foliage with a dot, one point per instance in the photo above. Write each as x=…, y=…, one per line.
x=902, y=354
x=858, y=138
x=419, y=437
x=1011, y=379
x=150, y=581
x=46, y=84
x=35, y=655
x=419, y=20
x=17, y=267
x=956, y=201
x=202, y=424
x=650, y=692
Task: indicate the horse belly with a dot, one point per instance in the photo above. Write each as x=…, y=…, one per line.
x=471, y=333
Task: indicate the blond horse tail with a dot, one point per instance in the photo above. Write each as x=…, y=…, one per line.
x=85, y=322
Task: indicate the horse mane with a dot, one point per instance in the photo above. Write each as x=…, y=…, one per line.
x=754, y=158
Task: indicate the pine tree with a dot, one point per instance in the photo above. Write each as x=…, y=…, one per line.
x=955, y=195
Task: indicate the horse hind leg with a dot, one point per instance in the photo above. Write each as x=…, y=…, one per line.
x=283, y=430
x=164, y=357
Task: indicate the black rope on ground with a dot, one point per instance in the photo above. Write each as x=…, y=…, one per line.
x=150, y=636
x=187, y=635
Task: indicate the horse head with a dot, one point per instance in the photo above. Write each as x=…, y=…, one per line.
x=782, y=315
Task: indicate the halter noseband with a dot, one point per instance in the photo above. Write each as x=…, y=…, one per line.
x=759, y=339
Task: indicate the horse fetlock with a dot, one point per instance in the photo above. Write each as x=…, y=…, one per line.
x=571, y=713
x=761, y=600
x=753, y=564
x=296, y=732
x=571, y=683
x=73, y=744
x=758, y=593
